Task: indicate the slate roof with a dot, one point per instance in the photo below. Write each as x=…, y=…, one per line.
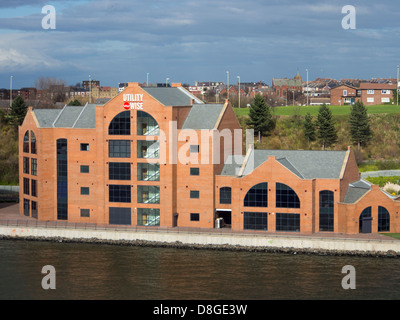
x=78, y=117
x=202, y=116
x=303, y=163
x=356, y=191
x=174, y=97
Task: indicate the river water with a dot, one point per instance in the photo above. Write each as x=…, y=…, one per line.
x=89, y=271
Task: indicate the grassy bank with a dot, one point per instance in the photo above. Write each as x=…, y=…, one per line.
x=313, y=110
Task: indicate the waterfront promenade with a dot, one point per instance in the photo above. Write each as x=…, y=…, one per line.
x=18, y=226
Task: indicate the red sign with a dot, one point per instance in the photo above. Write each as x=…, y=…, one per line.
x=127, y=105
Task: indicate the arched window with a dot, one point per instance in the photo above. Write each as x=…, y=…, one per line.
x=33, y=143
x=326, y=214
x=26, y=142
x=383, y=220
x=365, y=221
x=286, y=197
x=121, y=124
x=146, y=125
x=225, y=195
x=257, y=196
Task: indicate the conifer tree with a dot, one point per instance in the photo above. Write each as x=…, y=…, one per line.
x=309, y=128
x=326, y=133
x=260, y=116
x=360, y=129
x=18, y=111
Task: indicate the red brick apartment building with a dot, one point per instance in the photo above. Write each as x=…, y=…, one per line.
x=149, y=157
x=368, y=93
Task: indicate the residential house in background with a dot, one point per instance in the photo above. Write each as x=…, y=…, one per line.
x=344, y=94
x=376, y=93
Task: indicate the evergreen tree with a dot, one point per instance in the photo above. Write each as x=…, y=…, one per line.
x=75, y=102
x=309, y=128
x=360, y=129
x=260, y=116
x=326, y=133
x=18, y=111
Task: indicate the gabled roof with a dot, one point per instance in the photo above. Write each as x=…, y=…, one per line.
x=173, y=97
x=303, y=163
x=356, y=191
x=203, y=116
x=78, y=117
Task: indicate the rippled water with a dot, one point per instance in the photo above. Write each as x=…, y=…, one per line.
x=85, y=271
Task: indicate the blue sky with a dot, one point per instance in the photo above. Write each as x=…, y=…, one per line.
x=187, y=41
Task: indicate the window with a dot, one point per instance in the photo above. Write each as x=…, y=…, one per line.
x=119, y=171
x=26, y=142
x=257, y=196
x=148, y=217
x=84, y=146
x=225, y=195
x=364, y=217
x=33, y=143
x=34, y=188
x=118, y=193
x=121, y=124
x=288, y=222
x=26, y=165
x=386, y=91
x=194, y=149
x=84, y=169
x=326, y=211
x=85, y=191
x=286, y=197
x=370, y=91
x=194, y=217
x=383, y=220
x=34, y=167
x=194, y=171
x=120, y=216
x=385, y=100
x=85, y=213
x=148, y=149
x=26, y=186
x=148, y=194
x=370, y=100
x=146, y=125
x=194, y=194
x=119, y=149
x=34, y=209
x=148, y=172
x=62, y=179
x=255, y=221
x=26, y=207
x=344, y=93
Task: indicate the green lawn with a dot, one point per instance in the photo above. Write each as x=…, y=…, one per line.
x=313, y=110
x=393, y=235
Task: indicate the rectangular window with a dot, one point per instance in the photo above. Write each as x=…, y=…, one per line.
x=120, y=216
x=34, y=210
x=194, y=171
x=119, y=149
x=225, y=195
x=119, y=193
x=26, y=186
x=85, y=213
x=194, y=149
x=26, y=165
x=85, y=191
x=119, y=171
x=34, y=167
x=148, y=194
x=344, y=93
x=148, y=149
x=194, y=217
x=385, y=100
x=84, y=169
x=370, y=100
x=386, y=91
x=370, y=91
x=26, y=207
x=288, y=222
x=84, y=146
x=194, y=194
x=148, y=217
x=255, y=221
x=34, y=188
x=148, y=172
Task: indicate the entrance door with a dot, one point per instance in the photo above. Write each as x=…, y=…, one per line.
x=227, y=216
x=366, y=225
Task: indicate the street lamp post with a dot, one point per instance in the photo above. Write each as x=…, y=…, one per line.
x=239, y=90
x=227, y=85
x=307, y=87
x=11, y=91
x=166, y=82
x=397, y=86
x=147, y=82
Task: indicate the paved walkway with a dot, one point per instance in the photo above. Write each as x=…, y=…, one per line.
x=9, y=213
